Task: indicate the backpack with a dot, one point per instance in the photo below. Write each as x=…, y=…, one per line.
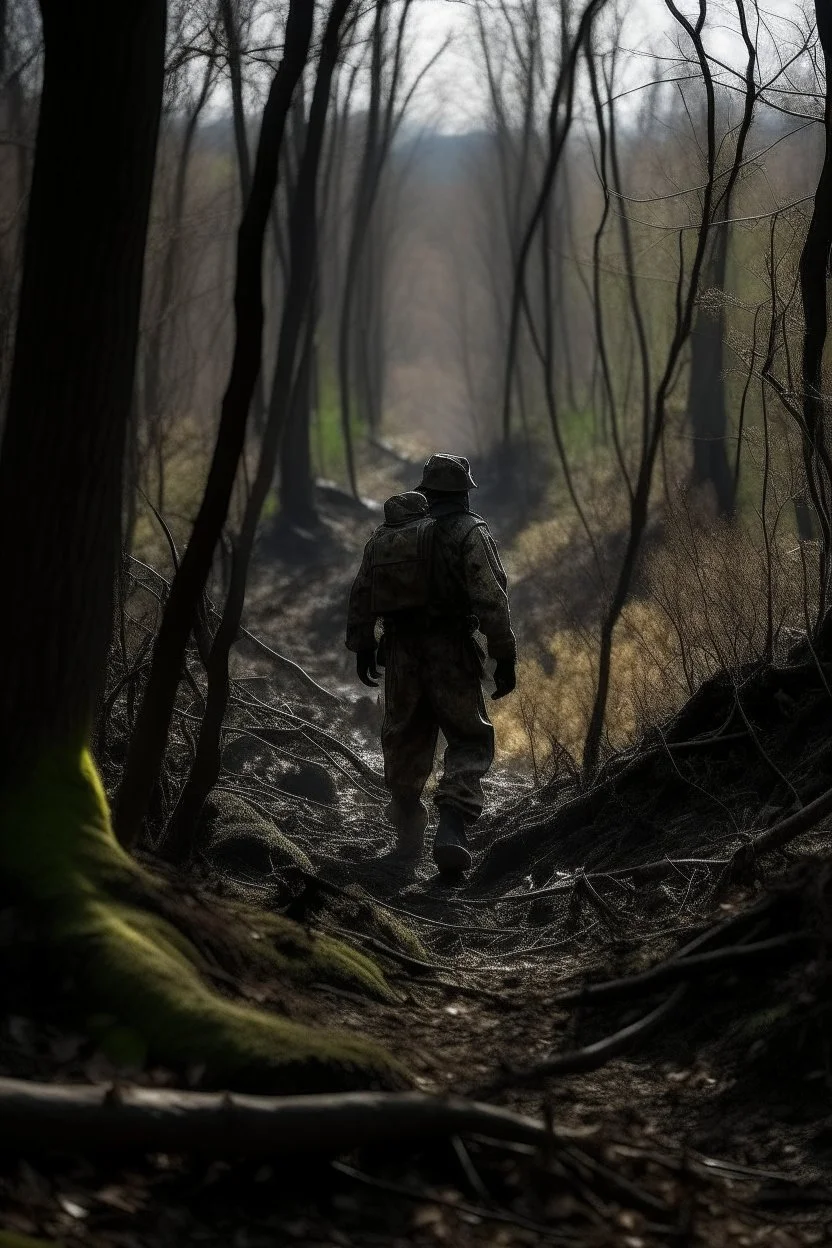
x=401, y=558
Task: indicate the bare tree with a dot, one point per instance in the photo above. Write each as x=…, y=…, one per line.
x=160, y=339
x=179, y=837
x=379, y=133
x=655, y=403
x=707, y=409
x=148, y=742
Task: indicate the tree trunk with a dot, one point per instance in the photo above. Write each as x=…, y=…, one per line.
x=707, y=410
x=147, y=745
x=91, y=911
x=180, y=834
x=381, y=125
x=228, y=9
x=297, y=487
x=814, y=274
x=158, y=339
x=72, y=377
x=235, y=72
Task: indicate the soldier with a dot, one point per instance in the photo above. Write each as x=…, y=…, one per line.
x=433, y=574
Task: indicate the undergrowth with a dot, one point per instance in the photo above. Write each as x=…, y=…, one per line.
x=710, y=596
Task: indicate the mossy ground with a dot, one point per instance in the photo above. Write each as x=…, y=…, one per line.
x=137, y=979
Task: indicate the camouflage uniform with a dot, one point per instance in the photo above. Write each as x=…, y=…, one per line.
x=433, y=664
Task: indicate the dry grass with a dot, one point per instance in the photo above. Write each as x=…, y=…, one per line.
x=711, y=596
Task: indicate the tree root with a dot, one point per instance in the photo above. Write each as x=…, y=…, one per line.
x=136, y=977
x=54, y=1118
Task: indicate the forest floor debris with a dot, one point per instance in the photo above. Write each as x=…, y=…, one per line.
x=710, y=1126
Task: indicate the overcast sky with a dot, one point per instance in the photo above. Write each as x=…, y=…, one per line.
x=453, y=97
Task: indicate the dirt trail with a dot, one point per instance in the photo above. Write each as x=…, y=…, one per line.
x=714, y=1129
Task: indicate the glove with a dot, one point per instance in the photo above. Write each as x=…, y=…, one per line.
x=365, y=665
x=505, y=678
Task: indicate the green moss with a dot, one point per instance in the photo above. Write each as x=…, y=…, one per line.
x=305, y=958
x=377, y=921
x=60, y=859
x=10, y=1239
x=230, y=826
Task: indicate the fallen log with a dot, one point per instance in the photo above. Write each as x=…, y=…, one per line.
x=81, y=1119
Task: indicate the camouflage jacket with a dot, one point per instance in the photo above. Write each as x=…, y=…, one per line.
x=468, y=587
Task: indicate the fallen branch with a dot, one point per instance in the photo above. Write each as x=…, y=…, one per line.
x=480, y=1212
x=280, y=659
x=779, y=834
x=680, y=969
x=379, y=444
x=648, y=871
x=314, y=735
x=61, y=1118
x=591, y=1057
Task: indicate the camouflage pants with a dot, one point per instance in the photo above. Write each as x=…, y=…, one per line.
x=432, y=682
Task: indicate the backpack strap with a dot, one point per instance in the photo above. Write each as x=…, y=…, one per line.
x=452, y=554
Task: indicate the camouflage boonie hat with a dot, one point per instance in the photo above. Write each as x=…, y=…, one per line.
x=447, y=473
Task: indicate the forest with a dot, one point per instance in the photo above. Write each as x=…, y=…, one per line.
x=268, y=270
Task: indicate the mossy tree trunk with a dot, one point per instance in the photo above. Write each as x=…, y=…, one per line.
x=72, y=376
x=95, y=914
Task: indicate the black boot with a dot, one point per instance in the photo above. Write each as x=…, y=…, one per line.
x=409, y=817
x=450, y=848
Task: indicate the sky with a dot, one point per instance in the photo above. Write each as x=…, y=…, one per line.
x=453, y=98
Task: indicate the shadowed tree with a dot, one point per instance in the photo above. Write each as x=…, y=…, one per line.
x=814, y=280
x=303, y=229
x=88, y=906
x=707, y=408
x=147, y=745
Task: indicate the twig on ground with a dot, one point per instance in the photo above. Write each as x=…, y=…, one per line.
x=311, y=732
x=680, y=969
x=472, y=1176
x=645, y=871
x=625, y=1189
x=406, y=959
x=280, y=659
x=591, y=1057
x=430, y=1198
